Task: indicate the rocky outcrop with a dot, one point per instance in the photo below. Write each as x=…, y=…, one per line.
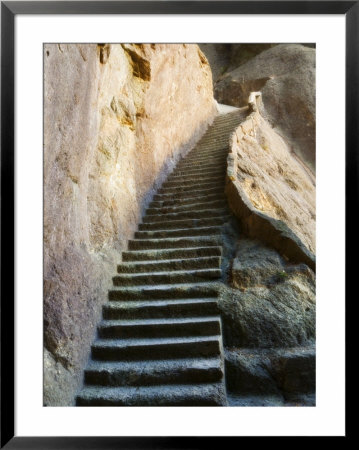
x=270, y=190
x=269, y=303
x=219, y=58
x=268, y=316
x=117, y=118
x=224, y=58
x=285, y=74
x=279, y=377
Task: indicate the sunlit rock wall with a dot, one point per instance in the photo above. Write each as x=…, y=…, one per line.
x=116, y=119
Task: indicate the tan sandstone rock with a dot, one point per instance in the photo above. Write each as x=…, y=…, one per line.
x=269, y=188
x=116, y=119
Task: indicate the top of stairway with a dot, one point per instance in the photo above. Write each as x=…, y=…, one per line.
x=224, y=109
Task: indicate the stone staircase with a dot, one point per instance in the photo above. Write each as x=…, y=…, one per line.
x=160, y=341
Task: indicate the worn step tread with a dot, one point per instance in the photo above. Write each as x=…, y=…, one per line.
x=206, y=204
x=179, y=232
x=159, y=321
x=212, y=240
x=207, y=194
x=187, y=167
x=206, y=394
x=189, y=290
x=187, y=222
x=170, y=253
x=193, y=179
x=154, y=364
x=204, y=170
x=210, y=212
x=201, y=160
x=147, y=342
x=160, y=308
x=155, y=347
x=174, y=264
x=159, y=327
x=214, y=190
x=192, y=188
x=187, y=200
x=158, y=302
x=172, y=276
x=149, y=372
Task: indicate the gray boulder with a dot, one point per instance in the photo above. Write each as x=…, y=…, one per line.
x=270, y=303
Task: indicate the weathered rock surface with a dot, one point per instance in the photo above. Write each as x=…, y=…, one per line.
x=283, y=375
x=271, y=304
x=224, y=58
x=219, y=58
x=268, y=318
x=271, y=191
x=241, y=53
x=117, y=117
x=285, y=74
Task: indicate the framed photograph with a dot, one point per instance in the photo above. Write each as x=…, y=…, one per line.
x=176, y=179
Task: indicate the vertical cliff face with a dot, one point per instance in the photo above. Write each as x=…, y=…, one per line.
x=116, y=119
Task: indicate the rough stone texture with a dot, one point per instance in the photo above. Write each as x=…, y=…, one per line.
x=268, y=317
x=219, y=58
x=241, y=53
x=224, y=58
x=285, y=74
x=117, y=117
x=271, y=191
x=283, y=375
x=269, y=303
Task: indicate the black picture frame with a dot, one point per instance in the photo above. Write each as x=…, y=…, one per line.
x=9, y=9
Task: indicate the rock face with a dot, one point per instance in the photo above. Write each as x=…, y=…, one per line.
x=271, y=191
x=268, y=316
x=117, y=118
x=224, y=58
x=269, y=303
x=281, y=377
x=285, y=74
x=219, y=58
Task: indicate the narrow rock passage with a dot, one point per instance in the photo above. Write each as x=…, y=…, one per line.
x=160, y=341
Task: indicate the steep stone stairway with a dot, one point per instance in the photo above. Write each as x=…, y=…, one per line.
x=160, y=339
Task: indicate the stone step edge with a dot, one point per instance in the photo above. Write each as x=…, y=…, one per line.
x=159, y=321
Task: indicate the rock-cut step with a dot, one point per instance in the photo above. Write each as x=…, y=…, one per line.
x=199, y=394
x=178, y=181
x=184, y=223
x=188, y=207
x=204, y=213
x=189, y=171
x=154, y=348
x=180, y=232
x=157, y=327
x=144, y=292
x=160, y=308
x=177, y=276
x=218, y=185
x=175, y=242
x=187, y=200
x=171, y=253
x=154, y=372
x=209, y=262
